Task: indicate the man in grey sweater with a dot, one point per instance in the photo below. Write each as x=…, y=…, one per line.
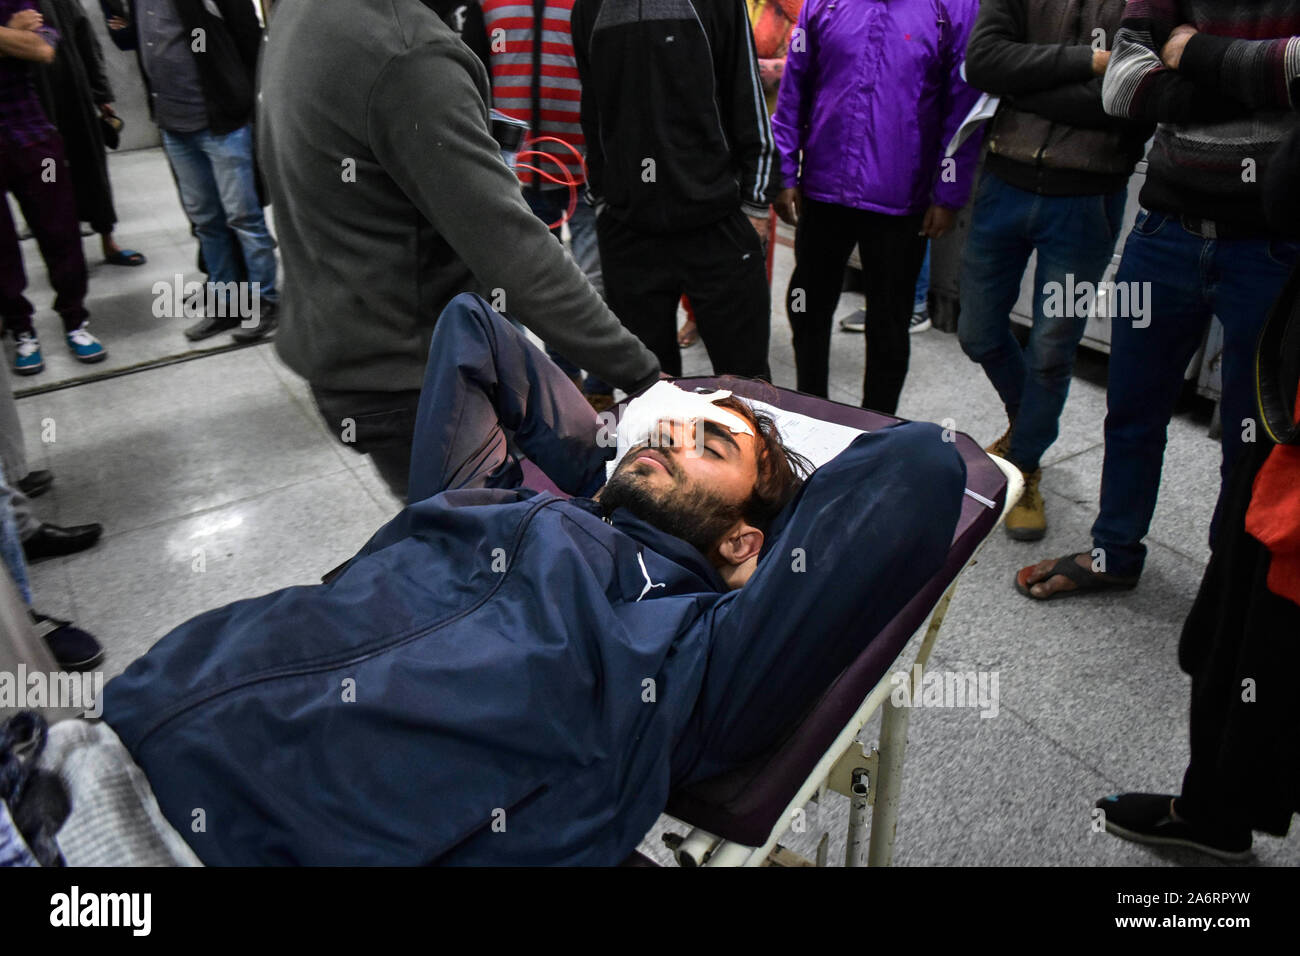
x=391, y=198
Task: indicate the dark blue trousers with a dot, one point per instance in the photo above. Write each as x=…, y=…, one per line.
x=486, y=388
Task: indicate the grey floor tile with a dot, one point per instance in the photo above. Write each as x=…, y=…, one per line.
x=52, y=589
x=1096, y=675
x=122, y=299
x=140, y=449
x=295, y=383
x=1189, y=487
x=992, y=792
x=134, y=587
x=366, y=473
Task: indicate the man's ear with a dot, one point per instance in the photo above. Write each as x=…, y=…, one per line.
x=737, y=553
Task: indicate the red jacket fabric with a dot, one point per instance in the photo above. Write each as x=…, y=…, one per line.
x=1274, y=516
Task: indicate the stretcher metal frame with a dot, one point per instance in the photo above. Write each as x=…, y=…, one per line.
x=871, y=779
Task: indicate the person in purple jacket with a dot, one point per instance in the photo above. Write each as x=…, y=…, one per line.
x=871, y=96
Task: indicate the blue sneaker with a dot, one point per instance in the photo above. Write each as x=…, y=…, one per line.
x=27, y=354
x=85, y=346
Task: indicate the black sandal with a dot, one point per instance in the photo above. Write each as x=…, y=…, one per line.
x=1085, y=581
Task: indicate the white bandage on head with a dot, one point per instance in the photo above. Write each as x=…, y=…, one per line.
x=664, y=401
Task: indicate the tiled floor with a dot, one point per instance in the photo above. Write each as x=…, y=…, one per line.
x=215, y=481
x=122, y=299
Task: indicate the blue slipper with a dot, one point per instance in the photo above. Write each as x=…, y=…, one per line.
x=126, y=257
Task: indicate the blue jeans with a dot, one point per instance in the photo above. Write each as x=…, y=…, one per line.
x=922, y=283
x=1191, y=279
x=1074, y=237
x=11, y=543
x=549, y=205
x=219, y=193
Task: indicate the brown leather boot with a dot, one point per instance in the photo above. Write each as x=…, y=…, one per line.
x=1027, y=521
x=1003, y=445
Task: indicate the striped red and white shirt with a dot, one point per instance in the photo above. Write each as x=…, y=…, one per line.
x=511, y=28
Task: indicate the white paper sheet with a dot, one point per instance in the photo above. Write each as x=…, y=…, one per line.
x=979, y=114
x=816, y=440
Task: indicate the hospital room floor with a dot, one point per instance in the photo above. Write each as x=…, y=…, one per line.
x=216, y=480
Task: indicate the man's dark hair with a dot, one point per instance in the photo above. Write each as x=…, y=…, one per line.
x=781, y=470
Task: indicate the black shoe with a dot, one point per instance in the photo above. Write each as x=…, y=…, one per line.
x=51, y=541
x=73, y=648
x=209, y=326
x=1147, y=818
x=36, y=483
x=267, y=320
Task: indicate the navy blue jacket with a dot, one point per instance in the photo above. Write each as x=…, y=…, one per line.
x=529, y=680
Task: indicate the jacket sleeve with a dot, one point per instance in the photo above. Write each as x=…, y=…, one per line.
x=580, y=32
x=868, y=530
x=1139, y=86
x=1281, y=186
x=954, y=180
x=999, y=61
x=794, y=100
x=92, y=56
x=1075, y=104
x=474, y=35
x=241, y=23
x=744, y=107
x=428, y=128
x=1262, y=74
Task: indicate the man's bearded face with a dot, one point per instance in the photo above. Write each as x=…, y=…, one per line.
x=692, y=483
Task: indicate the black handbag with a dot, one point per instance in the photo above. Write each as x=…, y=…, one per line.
x=111, y=125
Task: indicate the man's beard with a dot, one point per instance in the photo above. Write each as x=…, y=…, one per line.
x=697, y=516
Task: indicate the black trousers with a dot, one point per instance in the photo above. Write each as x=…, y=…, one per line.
x=51, y=211
x=720, y=267
x=378, y=424
x=891, y=250
x=1241, y=646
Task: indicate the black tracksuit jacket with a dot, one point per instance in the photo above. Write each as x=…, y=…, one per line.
x=677, y=129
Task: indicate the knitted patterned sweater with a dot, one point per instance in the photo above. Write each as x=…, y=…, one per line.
x=1221, y=114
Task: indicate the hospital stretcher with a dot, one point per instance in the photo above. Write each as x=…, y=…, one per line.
x=737, y=819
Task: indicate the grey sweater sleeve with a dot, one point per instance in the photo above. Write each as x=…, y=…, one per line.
x=428, y=126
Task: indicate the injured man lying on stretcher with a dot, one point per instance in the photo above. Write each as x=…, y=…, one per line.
x=506, y=676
